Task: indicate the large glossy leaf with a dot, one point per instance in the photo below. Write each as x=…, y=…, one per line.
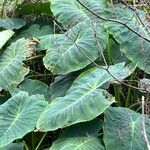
x=13, y=146
x=68, y=52
x=61, y=85
x=5, y=36
x=34, y=87
x=84, y=101
x=82, y=136
x=134, y=47
x=12, y=23
x=12, y=71
x=18, y=116
x=35, y=31
x=126, y=126
x=70, y=12
x=57, y=89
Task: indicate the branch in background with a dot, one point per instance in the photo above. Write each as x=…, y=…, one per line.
x=112, y=20
x=134, y=10
x=143, y=125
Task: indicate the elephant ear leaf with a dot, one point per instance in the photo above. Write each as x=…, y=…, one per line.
x=16, y=146
x=18, y=116
x=80, y=136
x=12, y=70
x=12, y=23
x=35, y=31
x=70, y=12
x=5, y=36
x=85, y=100
x=34, y=87
x=129, y=33
x=61, y=85
x=68, y=52
x=127, y=129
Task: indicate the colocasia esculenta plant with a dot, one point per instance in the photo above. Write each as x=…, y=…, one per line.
x=74, y=75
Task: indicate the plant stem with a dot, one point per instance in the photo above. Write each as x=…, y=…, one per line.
x=14, y=10
x=129, y=93
x=143, y=125
x=26, y=146
x=3, y=8
x=34, y=68
x=117, y=94
x=109, y=47
x=135, y=105
x=32, y=134
x=41, y=141
x=116, y=87
x=34, y=57
x=40, y=75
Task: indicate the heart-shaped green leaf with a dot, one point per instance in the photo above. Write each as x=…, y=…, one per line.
x=35, y=31
x=81, y=143
x=84, y=101
x=18, y=116
x=68, y=52
x=12, y=70
x=135, y=47
x=124, y=127
x=70, y=12
x=34, y=87
x=81, y=136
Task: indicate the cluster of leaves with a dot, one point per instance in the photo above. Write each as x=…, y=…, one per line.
x=63, y=86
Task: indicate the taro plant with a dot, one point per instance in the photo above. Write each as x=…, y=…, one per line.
x=74, y=75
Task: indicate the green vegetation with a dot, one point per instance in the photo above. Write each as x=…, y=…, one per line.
x=74, y=75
